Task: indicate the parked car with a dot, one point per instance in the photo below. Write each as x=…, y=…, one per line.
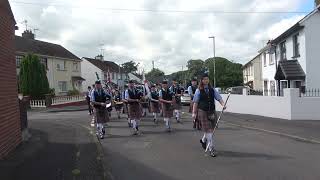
x=219, y=90
x=239, y=90
x=185, y=99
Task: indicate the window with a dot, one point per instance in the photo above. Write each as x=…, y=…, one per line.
x=44, y=61
x=113, y=75
x=18, y=61
x=61, y=66
x=296, y=46
x=76, y=66
x=283, y=51
x=265, y=59
x=265, y=87
x=62, y=86
x=272, y=88
x=271, y=59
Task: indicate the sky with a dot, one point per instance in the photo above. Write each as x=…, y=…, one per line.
x=168, y=32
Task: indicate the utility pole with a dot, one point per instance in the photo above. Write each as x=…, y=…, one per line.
x=214, y=60
x=152, y=65
x=25, y=22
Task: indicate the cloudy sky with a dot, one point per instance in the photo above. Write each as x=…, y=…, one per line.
x=169, y=32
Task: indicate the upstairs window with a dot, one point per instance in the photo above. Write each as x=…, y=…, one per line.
x=283, y=51
x=296, y=46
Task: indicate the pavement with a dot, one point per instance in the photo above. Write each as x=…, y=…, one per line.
x=249, y=147
x=61, y=147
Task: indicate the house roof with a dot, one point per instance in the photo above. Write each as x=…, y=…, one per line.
x=289, y=70
x=295, y=28
x=245, y=65
x=5, y=7
x=104, y=65
x=27, y=45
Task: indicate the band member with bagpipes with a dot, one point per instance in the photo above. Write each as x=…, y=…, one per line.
x=191, y=91
x=133, y=96
x=204, y=110
x=125, y=109
x=144, y=101
x=178, y=92
x=100, y=99
x=88, y=97
x=154, y=103
x=118, y=104
x=93, y=121
x=167, y=99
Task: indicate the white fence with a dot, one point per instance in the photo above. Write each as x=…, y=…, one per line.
x=37, y=103
x=290, y=106
x=67, y=99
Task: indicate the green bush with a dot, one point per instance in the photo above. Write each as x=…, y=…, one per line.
x=73, y=92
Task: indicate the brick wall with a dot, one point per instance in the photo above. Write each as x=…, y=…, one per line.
x=10, y=131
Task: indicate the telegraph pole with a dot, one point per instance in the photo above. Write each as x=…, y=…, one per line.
x=214, y=60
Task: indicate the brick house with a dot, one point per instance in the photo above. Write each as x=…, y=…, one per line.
x=10, y=132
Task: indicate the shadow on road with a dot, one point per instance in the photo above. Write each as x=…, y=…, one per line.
x=233, y=154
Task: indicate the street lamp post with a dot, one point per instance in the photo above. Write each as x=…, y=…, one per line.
x=214, y=60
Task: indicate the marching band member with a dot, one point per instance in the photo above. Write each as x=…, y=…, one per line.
x=166, y=97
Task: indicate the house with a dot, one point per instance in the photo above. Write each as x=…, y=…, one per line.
x=107, y=71
x=10, y=128
x=135, y=77
x=252, y=73
x=292, y=59
x=63, y=67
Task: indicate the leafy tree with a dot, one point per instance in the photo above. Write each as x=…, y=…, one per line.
x=33, y=78
x=155, y=75
x=195, y=68
x=130, y=67
x=227, y=73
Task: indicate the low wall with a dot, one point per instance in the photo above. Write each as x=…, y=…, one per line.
x=290, y=106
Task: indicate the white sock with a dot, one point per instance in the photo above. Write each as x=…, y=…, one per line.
x=178, y=114
x=134, y=123
x=204, y=137
x=155, y=115
x=167, y=122
x=210, y=141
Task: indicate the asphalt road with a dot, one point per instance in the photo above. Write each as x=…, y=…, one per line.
x=156, y=154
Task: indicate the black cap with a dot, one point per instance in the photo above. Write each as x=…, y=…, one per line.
x=194, y=80
x=164, y=82
x=98, y=82
x=153, y=85
x=89, y=87
x=131, y=81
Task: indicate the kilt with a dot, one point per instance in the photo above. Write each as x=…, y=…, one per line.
x=125, y=108
x=167, y=110
x=145, y=104
x=118, y=106
x=102, y=115
x=177, y=106
x=134, y=111
x=154, y=107
x=203, y=118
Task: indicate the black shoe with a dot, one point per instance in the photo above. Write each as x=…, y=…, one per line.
x=203, y=144
x=213, y=153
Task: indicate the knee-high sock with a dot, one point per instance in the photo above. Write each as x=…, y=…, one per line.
x=134, y=123
x=178, y=114
x=99, y=127
x=210, y=140
x=155, y=115
x=167, y=122
x=204, y=138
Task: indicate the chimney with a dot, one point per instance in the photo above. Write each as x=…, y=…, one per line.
x=28, y=34
x=316, y=3
x=99, y=57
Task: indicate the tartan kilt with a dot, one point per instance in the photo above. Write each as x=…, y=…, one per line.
x=177, y=106
x=134, y=111
x=118, y=106
x=102, y=115
x=203, y=118
x=155, y=107
x=167, y=110
x=145, y=104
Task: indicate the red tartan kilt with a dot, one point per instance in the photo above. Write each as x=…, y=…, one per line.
x=154, y=107
x=134, y=111
x=203, y=118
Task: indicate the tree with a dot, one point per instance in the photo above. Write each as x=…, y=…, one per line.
x=130, y=67
x=228, y=74
x=195, y=68
x=33, y=78
x=155, y=75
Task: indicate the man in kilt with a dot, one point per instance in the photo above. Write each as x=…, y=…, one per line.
x=167, y=98
x=178, y=92
x=118, y=104
x=204, y=110
x=133, y=97
x=125, y=107
x=191, y=91
x=154, y=103
x=99, y=100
